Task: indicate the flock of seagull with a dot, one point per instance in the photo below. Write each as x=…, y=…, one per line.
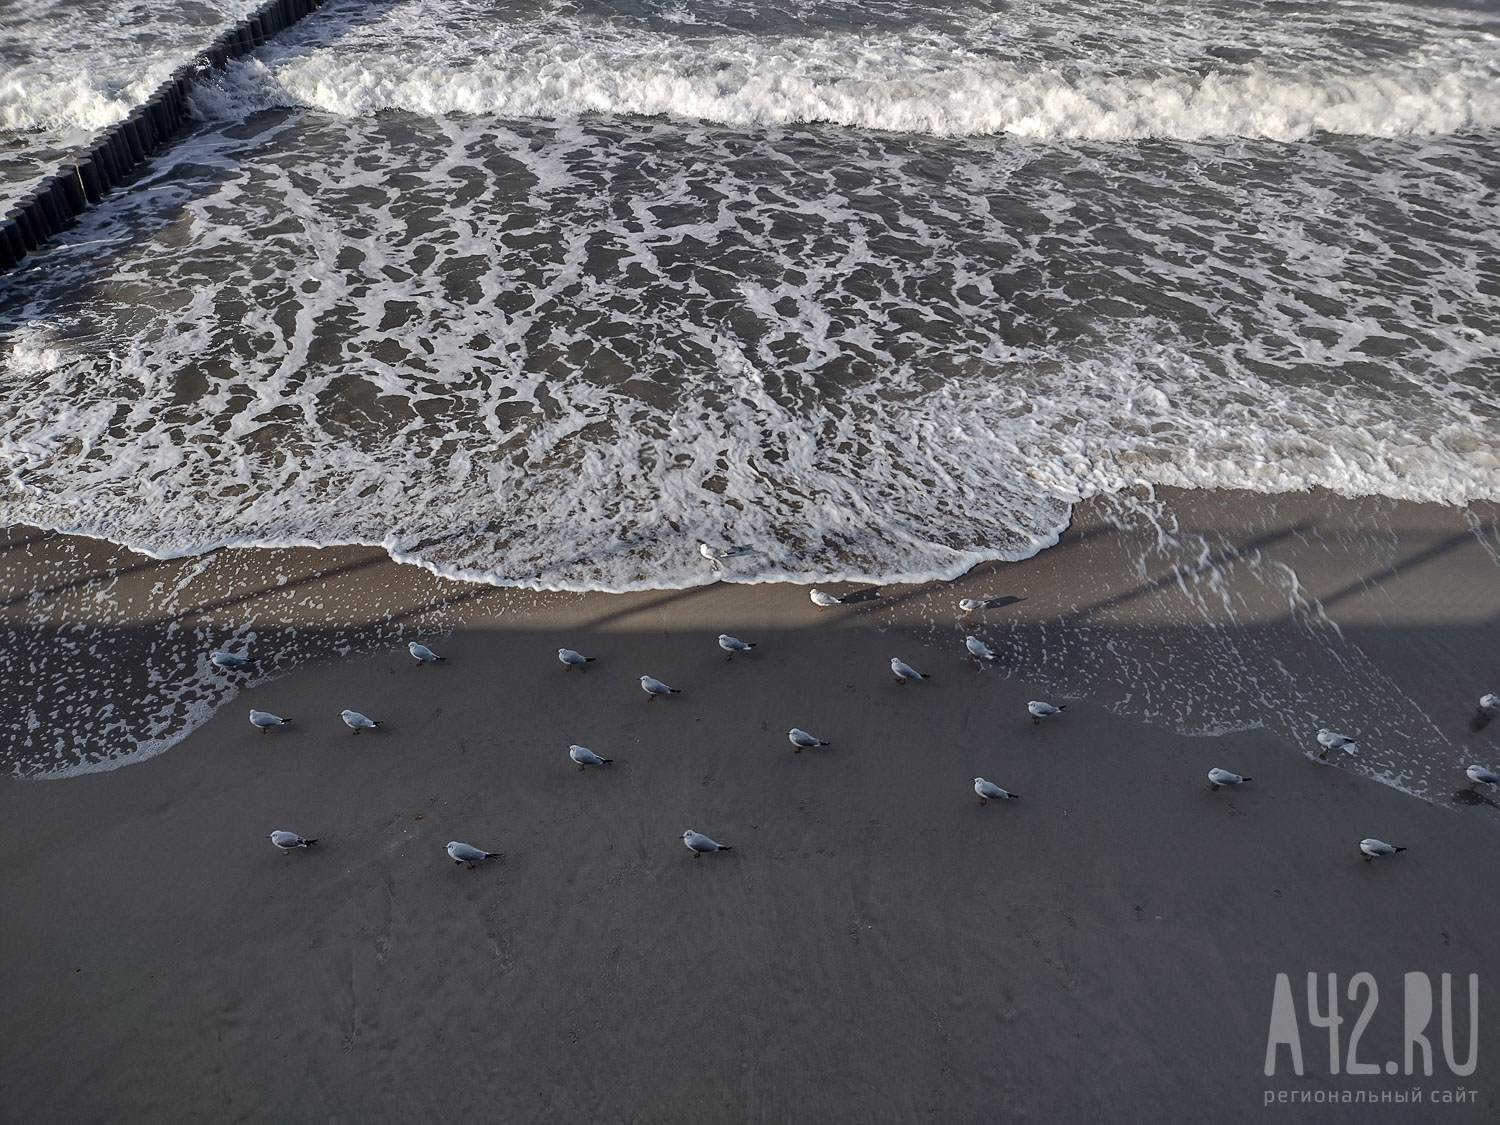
x=699, y=844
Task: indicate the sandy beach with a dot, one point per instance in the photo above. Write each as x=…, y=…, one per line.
x=877, y=946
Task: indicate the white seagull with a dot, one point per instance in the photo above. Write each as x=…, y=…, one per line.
x=978, y=649
x=969, y=605
x=586, y=757
x=1218, y=777
x=732, y=645
x=1478, y=776
x=228, y=660
x=265, y=720
x=573, y=659
x=822, y=600
x=468, y=853
x=1331, y=740
x=1373, y=848
x=654, y=687
x=1041, y=710
x=1490, y=704
x=801, y=740
x=988, y=791
x=286, y=841
x=357, y=722
x=698, y=843
x=422, y=654
x=904, y=671
x=710, y=554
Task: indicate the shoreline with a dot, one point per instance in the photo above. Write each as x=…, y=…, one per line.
x=876, y=946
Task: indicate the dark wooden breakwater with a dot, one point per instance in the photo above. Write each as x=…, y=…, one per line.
x=84, y=179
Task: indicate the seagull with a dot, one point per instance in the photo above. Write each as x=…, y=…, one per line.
x=586, y=757
x=1330, y=740
x=1040, y=710
x=573, y=659
x=1489, y=704
x=265, y=720
x=822, y=600
x=988, y=791
x=286, y=841
x=978, y=649
x=904, y=671
x=698, y=843
x=1478, y=775
x=801, y=740
x=422, y=654
x=228, y=660
x=654, y=687
x=1218, y=777
x=710, y=554
x=468, y=853
x=1373, y=848
x=969, y=605
x=357, y=722
x=732, y=645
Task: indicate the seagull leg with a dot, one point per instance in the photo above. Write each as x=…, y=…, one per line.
x=983, y=801
x=1036, y=721
x=1213, y=786
x=580, y=769
x=796, y=749
x=471, y=867
x=729, y=656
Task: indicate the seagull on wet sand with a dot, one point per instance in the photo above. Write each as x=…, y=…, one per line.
x=228, y=660
x=1041, y=710
x=1478, y=776
x=978, y=649
x=822, y=600
x=265, y=720
x=357, y=722
x=970, y=605
x=801, y=740
x=422, y=654
x=1372, y=848
x=988, y=791
x=732, y=645
x=286, y=841
x=1489, y=704
x=586, y=757
x=1218, y=777
x=654, y=687
x=904, y=671
x=468, y=853
x=698, y=843
x=1331, y=740
x=573, y=659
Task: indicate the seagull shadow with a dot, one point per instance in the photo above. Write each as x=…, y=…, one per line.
x=868, y=594
x=996, y=603
x=1480, y=720
x=1472, y=797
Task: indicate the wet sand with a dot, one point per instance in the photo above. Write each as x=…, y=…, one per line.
x=876, y=947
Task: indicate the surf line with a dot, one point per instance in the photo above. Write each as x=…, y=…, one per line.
x=84, y=179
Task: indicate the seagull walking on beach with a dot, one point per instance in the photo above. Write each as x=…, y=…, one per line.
x=422, y=654
x=978, y=649
x=228, y=661
x=801, y=740
x=286, y=841
x=265, y=720
x=1332, y=740
x=732, y=645
x=1040, y=710
x=654, y=687
x=822, y=600
x=467, y=853
x=357, y=722
x=1373, y=848
x=1478, y=776
x=988, y=791
x=904, y=671
x=1218, y=777
x=571, y=659
x=698, y=843
x=586, y=757
x=970, y=605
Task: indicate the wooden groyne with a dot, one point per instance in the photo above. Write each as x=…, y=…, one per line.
x=84, y=179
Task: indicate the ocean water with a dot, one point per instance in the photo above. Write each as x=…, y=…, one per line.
x=540, y=293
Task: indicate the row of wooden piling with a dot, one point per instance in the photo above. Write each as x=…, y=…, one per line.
x=111, y=158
